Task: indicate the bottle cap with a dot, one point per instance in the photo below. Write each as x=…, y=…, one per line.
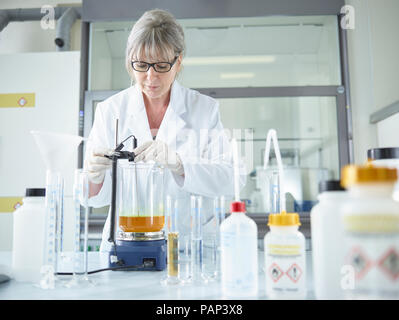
x=383, y=153
x=353, y=174
x=330, y=185
x=284, y=219
x=35, y=192
x=237, y=206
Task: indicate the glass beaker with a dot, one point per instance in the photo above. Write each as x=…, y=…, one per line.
x=140, y=197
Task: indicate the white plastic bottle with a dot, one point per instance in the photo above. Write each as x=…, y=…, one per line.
x=239, y=254
x=28, y=237
x=327, y=240
x=370, y=220
x=285, y=259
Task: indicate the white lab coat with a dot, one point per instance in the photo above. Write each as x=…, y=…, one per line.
x=191, y=126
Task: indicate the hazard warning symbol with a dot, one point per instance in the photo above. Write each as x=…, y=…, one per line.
x=294, y=273
x=389, y=264
x=275, y=272
x=360, y=262
x=22, y=101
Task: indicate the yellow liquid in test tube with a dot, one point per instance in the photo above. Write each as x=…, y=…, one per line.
x=173, y=254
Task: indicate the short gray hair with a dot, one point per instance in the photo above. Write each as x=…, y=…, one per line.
x=156, y=35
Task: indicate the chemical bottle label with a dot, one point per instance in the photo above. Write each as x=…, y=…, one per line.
x=285, y=270
x=372, y=223
x=372, y=250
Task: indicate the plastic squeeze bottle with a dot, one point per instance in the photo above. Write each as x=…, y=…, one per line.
x=239, y=254
x=285, y=260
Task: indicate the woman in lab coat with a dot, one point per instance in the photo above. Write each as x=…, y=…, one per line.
x=176, y=127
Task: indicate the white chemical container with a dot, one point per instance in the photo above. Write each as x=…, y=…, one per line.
x=327, y=240
x=28, y=237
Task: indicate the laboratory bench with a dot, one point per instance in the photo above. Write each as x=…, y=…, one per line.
x=126, y=285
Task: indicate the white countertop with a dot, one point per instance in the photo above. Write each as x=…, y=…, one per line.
x=122, y=285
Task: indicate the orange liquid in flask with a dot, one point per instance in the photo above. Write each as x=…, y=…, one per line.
x=141, y=224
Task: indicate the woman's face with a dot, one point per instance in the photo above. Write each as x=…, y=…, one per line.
x=156, y=85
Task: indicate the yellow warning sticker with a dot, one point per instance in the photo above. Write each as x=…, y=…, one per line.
x=10, y=204
x=17, y=100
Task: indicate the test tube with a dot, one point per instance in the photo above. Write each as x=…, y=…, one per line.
x=196, y=239
x=173, y=242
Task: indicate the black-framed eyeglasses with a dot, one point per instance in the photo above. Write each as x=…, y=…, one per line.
x=162, y=67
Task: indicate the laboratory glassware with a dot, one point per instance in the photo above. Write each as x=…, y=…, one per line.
x=53, y=231
x=196, y=239
x=56, y=150
x=274, y=185
x=277, y=179
x=327, y=240
x=141, y=198
x=370, y=219
x=209, y=257
x=211, y=238
x=219, y=216
x=172, y=214
x=81, y=208
x=28, y=233
x=137, y=213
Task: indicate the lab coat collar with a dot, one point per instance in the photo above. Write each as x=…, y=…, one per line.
x=172, y=122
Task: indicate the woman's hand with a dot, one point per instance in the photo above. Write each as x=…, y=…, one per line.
x=97, y=164
x=159, y=152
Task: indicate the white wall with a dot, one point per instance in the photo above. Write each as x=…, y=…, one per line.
x=384, y=31
x=361, y=82
x=374, y=68
x=54, y=78
x=388, y=132
x=20, y=40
